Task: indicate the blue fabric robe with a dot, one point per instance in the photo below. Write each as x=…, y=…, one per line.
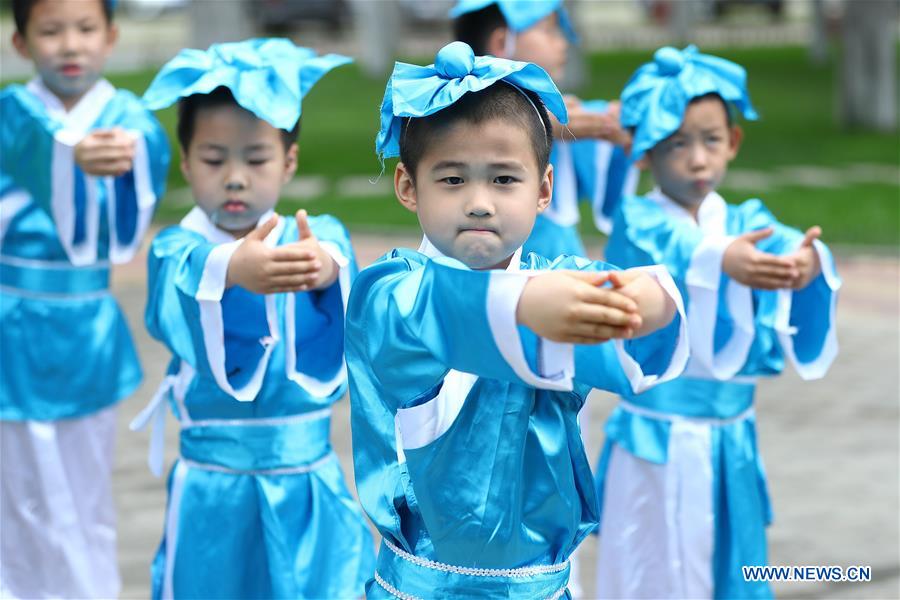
x=467, y=450
x=737, y=334
x=258, y=506
x=66, y=348
x=594, y=171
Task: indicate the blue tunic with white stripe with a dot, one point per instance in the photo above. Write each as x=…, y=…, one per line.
x=66, y=348
x=257, y=487
x=467, y=450
x=593, y=171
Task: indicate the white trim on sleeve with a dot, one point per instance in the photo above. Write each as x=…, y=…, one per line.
x=120, y=252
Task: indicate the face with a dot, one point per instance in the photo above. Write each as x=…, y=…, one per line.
x=68, y=41
x=692, y=162
x=543, y=44
x=236, y=166
x=477, y=192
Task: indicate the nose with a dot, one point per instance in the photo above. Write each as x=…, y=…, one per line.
x=698, y=156
x=478, y=203
x=70, y=40
x=235, y=179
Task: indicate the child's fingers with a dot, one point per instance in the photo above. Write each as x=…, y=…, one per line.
x=303, y=230
x=592, y=278
x=292, y=253
x=599, y=331
x=295, y=282
x=263, y=230
x=295, y=267
x=776, y=270
x=771, y=283
x=759, y=234
x=812, y=234
x=597, y=314
x=610, y=298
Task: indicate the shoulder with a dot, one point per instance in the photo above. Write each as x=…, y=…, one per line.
x=752, y=214
x=640, y=212
x=394, y=264
x=18, y=105
x=173, y=240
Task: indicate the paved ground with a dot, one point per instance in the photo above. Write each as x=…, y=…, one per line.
x=831, y=446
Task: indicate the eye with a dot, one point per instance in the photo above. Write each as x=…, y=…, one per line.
x=88, y=28
x=256, y=162
x=505, y=179
x=453, y=180
x=713, y=139
x=213, y=162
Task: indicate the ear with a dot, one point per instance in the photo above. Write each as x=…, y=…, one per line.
x=185, y=169
x=735, y=139
x=112, y=35
x=21, y=46
x=405, y=188
x=290, y=163
x=496, y=42
x=545, y=191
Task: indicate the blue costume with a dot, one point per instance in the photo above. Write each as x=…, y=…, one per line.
x=67, y=353
x=467, y=451
x=257, y=488
x=595, y=171
x=681, y=482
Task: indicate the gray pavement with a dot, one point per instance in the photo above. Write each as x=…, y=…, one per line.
x=831, y=446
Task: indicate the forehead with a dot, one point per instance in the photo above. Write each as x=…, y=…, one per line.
x=705, y=113
x=494, y=140
x=68, y=10
x=231, y=125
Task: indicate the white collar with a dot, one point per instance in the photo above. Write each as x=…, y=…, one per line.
x=431, y=251
x=199, y=222
x=86, y=111
x=710, y=215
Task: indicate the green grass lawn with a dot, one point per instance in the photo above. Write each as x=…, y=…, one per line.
x=797, y=127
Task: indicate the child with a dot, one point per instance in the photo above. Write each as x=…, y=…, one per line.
x=465, y=383
x=595, y=165
x=82, y=166
x=682, y=486
x=252, y=307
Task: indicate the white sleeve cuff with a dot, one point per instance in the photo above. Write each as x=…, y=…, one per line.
x=62, y=201
x=702, y=279
x=316, y=387
x=636, y=377
x=557, y=360
x=817, y=368
x=122, y=251
x=209, y=295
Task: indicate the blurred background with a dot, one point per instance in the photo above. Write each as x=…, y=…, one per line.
x=823, y=75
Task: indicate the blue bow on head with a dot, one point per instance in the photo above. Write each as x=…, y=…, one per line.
x=414, y=91
x=656, y=96
x=521, y=14
x=268, y=77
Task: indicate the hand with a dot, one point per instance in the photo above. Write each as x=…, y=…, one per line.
x=806, y=259
x=105, y=152
x=295, y=267
x=602, y=126
x=655, y=307
x=569, y=306
x=746, y=264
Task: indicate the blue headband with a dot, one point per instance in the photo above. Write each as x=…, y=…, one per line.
x=656, y=96
x=414, y=91
x=268, y=77
x=521, y=14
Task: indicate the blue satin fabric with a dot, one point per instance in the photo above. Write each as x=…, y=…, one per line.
x=656, y=96
x=508, y=484
x=552, y=240
x=521, y=14
x=267, y=76
x=415, y=91
x=644, y=234
x=52, y=278
x=50, y=311
x=281, y=535
x=436, y=582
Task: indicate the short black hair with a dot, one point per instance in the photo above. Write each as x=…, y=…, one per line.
x=475, y=28
x=499, y=101
x=221, y=96
x=22, y=12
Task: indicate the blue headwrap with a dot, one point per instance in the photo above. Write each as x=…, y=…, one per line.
x=656, y=96
x=414, y=91
x=268, y=77
x=521, y=14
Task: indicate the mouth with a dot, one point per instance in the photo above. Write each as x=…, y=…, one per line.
x=71, y=70
x=234, y=206
x=478, y=230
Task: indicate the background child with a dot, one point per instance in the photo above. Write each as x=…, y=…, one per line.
x=465, y=380
x=588, y=157
x=82, y=166
x=252, y=307
x=682, y=486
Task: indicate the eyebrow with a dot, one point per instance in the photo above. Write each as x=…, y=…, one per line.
x=504, y=165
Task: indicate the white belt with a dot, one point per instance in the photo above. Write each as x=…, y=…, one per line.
x=663, y=416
